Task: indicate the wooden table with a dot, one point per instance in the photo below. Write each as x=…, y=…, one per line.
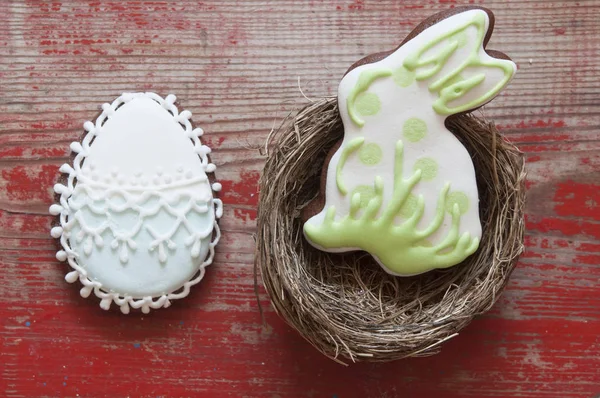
x=238, y=65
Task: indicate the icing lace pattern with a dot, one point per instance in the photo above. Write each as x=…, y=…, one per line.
x=80, y=192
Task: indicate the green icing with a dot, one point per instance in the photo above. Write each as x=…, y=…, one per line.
x=365, y=79
x=414, y=129
x=370, y=154
x=447, y=87
x=399, y=247
x=365, y=194
x=456, y=79
x=403, y=77
x=459, y=199
x=428, y=167
x=347, y=150
x=409, y=207
x=425, y=243
x=367, y=104
x=461, y=38
x=456, y=90
x=438, y=61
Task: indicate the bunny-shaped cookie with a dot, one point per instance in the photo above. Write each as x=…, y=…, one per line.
x=401, y=186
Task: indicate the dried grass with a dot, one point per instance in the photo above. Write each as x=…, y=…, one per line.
x=345, y=304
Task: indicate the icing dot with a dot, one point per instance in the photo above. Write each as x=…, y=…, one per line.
x=56, y=232
x=180, y=168
x=459, y=198
x=55, y=209
x=61, y=255
x=409, y=206
x=167, y=179
x=370, y=154
x=72, y=276
x=86, y=291
x=188, y=174
x=428, y=167
x=366, y=194
x=414, y=129
x=156, y=181
x=171, y=98
x=114, y=172
x=88, y=126
x=159, y=170
x=65, y=168
x=403, y=77
x=367, y=104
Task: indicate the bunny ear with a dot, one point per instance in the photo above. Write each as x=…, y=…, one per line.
x=451, y=58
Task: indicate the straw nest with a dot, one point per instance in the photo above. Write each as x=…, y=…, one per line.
x=346, y=305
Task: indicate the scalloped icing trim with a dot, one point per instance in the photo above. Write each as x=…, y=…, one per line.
x=125, y=302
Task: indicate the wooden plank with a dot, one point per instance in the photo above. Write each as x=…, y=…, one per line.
x=237, y=66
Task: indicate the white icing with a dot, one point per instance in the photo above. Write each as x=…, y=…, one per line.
x=399, y=104
x=137, y=214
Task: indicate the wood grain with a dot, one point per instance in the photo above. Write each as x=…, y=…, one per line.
x=236, y=66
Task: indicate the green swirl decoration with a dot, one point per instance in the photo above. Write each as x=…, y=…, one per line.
x=365, y=79
x=347, y=150
x=451, y=86
x=400, y=247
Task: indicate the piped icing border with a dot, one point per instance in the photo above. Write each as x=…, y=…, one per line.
x=66, y=191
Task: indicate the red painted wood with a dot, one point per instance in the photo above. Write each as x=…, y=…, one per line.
x=236, y=65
